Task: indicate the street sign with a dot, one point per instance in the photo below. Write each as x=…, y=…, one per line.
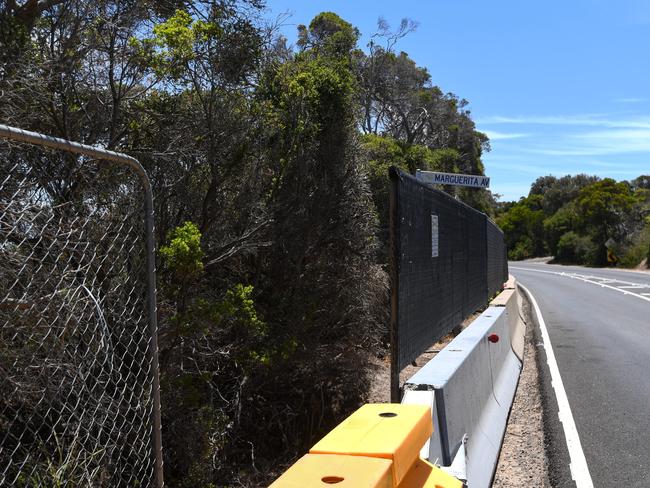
x=437, y=178
x=611, y=257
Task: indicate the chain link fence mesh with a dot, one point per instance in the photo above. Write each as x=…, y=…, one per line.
x=448, y=260
x=75, y=364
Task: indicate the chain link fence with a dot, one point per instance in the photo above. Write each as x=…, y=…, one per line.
x=78, y=362
x=447, y=260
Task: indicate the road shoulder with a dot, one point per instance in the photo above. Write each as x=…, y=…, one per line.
x=523, y=460
x=556, y=451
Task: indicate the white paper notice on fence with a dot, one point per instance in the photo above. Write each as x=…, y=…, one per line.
x=434, y=236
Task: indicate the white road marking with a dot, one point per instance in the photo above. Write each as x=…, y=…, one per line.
x=578, y=462
x=587, y=279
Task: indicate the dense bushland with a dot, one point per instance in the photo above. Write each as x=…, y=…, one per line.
x=582, y=220
x=269, y=167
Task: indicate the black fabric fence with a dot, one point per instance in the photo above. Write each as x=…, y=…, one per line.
x=448, y=259
x=497, y=258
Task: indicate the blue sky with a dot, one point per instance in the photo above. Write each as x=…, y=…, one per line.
x=561, y=87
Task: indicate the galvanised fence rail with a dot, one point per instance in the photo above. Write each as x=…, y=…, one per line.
x=447, y=260
x=79, y=403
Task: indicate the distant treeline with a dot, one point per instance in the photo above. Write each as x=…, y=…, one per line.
x=582, y=220
x=269, y=167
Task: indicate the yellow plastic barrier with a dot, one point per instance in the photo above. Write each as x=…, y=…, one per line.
x=376, y=446
x=319, y=470
x=425, y=475
x=395, y=432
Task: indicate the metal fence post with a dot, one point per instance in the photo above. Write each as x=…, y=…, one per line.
x=395, y=396
x=153, y=327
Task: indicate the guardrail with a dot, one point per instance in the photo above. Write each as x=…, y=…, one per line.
x=449, y=428
x=470, y=386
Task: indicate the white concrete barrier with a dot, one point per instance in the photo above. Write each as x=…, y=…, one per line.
x=471, y=385
x=511, y=300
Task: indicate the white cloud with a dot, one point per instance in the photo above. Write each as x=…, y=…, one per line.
x=591, y=120
x=609, y=145
x=599, y=143
x=497, y=136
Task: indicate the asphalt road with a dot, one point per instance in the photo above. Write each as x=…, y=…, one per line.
x=599, y=325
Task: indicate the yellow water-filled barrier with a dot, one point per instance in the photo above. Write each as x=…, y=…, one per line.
x=319, y=470
x=376, y=446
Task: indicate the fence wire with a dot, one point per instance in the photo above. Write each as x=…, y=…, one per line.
x=76, y=378
x=448, y=259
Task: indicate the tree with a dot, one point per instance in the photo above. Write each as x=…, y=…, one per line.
x=382, y=152
x=328, y=35
x=374, y=72
x=271, y=288
x=574, y=248
x=523, y=226
x=321, y=277
x=564, y=220
x=602, y=206
x=641, y=182
x=399, y=101
x=580, y=214
x=556, y=192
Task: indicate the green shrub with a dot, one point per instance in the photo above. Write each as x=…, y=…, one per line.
x=638, y=250
x=558, y=224
x=183, y=255
x=634, y=255
x=523, y=249
x=573, y=248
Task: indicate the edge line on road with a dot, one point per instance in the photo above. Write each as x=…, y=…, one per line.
x=578, y=462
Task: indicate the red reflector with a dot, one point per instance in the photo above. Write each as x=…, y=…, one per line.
x=493, y=338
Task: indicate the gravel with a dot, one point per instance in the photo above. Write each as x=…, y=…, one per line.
x=523, y=461
x=380, y=368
